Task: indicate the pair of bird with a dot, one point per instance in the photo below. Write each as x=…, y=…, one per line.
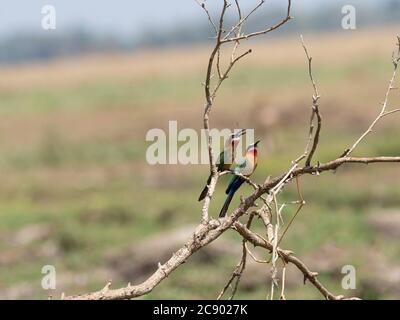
x=225, y=161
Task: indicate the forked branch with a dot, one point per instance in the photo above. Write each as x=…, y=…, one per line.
x=211, y=229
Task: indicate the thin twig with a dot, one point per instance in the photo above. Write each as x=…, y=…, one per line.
x=206, y=117
x=242, y=20
x=283, y=297
x=383, y=112
x=240, y=267
x=210, y=230
x=255, y=259
x=226, y=73
x=301, y=204
x=315, y=110
x=203, y=5
x=288, y=257
x=265, y=31
x=207, y=233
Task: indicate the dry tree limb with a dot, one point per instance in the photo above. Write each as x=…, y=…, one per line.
x=308, y=155
x=240, y=267
x=319, y=168
x=224, y=75
x=252, y=255
x=211, y=229
x=383, y=113
x=203, y=5
x=209, y=102
x=205, y=234
x=283, y=297
x=314, y=113
x=274, y=259
x=211, y=94
x=265, y=214
x=214, y=59
x=301, y=205
x=239, y=26
x=288, y=256
x=265, y=31
x=246, y=179
x=315, y=110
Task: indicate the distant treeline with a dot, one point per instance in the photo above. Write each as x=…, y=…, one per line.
x=27, y=47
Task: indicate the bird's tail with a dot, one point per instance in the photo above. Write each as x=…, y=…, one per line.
x=226, y=204
x=232, y=188
x=205, y=190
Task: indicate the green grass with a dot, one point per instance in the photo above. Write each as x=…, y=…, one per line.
x=101, y=94
x=98, y=195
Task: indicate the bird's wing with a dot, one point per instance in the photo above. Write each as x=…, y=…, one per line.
x=238, y=169
x=235, y=183
x=221, y=166
x=242, y=167
x=230, y=184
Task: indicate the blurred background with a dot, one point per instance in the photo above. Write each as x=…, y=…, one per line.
x=76, y=104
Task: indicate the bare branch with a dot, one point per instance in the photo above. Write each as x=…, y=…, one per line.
x=315, y=111
x=238, y=27
x=203, y=5
x=254, y=257
x=288, y=257
x=206, y=233
x=246, y=179
x=206, y=121
x=215, y=59
x=211, y=229
x=301, y=205
x=225, y=74
x=390, y=112
x=265, y=31
x=383, y=112
x=240, y=267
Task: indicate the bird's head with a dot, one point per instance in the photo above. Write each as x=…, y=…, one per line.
x=252, y=149
x=254, y=145
x=234, y=139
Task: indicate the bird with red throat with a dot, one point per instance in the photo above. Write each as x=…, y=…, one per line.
x=245, y=168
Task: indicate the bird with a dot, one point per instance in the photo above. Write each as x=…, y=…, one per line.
x=245, y=168
x=226, y=158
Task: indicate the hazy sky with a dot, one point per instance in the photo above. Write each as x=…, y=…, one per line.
x=122, y=16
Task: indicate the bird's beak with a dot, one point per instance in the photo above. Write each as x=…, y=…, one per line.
x=240, y=133
x=257, y=142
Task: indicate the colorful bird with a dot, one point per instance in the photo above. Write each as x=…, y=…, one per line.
x=226, y=158
x=245, y=168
